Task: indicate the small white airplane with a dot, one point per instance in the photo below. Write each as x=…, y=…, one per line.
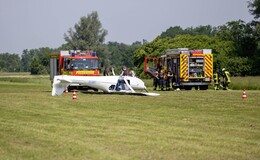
x=108, y=84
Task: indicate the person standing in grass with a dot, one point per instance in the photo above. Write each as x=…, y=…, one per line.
x=106, y=72
x=156, y=80
x=174, y=81
x=169, y=80
x=161, y=79
x=124, y=71
x=216, y=79
x=226, y=78
x=132, y=72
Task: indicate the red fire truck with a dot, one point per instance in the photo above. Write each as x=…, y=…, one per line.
x=75, y=63
x=191, y=68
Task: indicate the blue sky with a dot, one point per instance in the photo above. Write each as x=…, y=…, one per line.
x=29, y=24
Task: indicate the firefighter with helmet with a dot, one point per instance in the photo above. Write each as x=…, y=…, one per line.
x=216, y=79
x=226, y=79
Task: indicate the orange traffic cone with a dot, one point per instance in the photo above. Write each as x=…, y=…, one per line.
x=244, y=95
x=74, y=96
x=66, y=91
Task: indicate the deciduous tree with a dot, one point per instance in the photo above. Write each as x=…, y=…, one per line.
x=9, y=62
x=87, y=33
x=254, y=8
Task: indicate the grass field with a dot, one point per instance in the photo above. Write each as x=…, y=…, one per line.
x=175, y=125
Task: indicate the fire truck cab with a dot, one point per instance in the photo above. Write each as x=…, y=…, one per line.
x=76, y=63
x=190, y=68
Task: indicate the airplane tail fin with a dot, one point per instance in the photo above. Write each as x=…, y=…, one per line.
x=59, y=85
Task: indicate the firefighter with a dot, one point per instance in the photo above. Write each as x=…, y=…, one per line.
x=169, y=77
x=156, y=80
x=216, y=79
x=161, y=79
x=226, y=79
x=174, y=81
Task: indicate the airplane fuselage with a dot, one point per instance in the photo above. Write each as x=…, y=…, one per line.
x=104, y=83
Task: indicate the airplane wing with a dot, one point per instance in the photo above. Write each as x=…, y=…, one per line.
x=149, y=94
x=65, y=80
x=136, y=93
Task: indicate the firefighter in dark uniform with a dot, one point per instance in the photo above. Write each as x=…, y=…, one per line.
x=155, y=80
x=216, y=79
x=226, y=79
x=161, y=79
x=169, y=80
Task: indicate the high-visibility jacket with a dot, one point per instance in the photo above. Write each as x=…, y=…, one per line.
x=216, y=78
x=226, y=76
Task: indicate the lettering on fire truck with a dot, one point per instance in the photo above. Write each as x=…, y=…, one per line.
x=84, y=72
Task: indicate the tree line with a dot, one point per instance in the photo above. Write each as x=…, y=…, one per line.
x=235, y=45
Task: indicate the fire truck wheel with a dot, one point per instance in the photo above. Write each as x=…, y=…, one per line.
x=203, y=87
x=187, y=87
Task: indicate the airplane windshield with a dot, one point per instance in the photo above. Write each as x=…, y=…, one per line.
x=84, y=64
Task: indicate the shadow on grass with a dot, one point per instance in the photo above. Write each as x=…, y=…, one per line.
x=112, y=93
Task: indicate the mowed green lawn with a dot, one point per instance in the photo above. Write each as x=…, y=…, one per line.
x=175, y=125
